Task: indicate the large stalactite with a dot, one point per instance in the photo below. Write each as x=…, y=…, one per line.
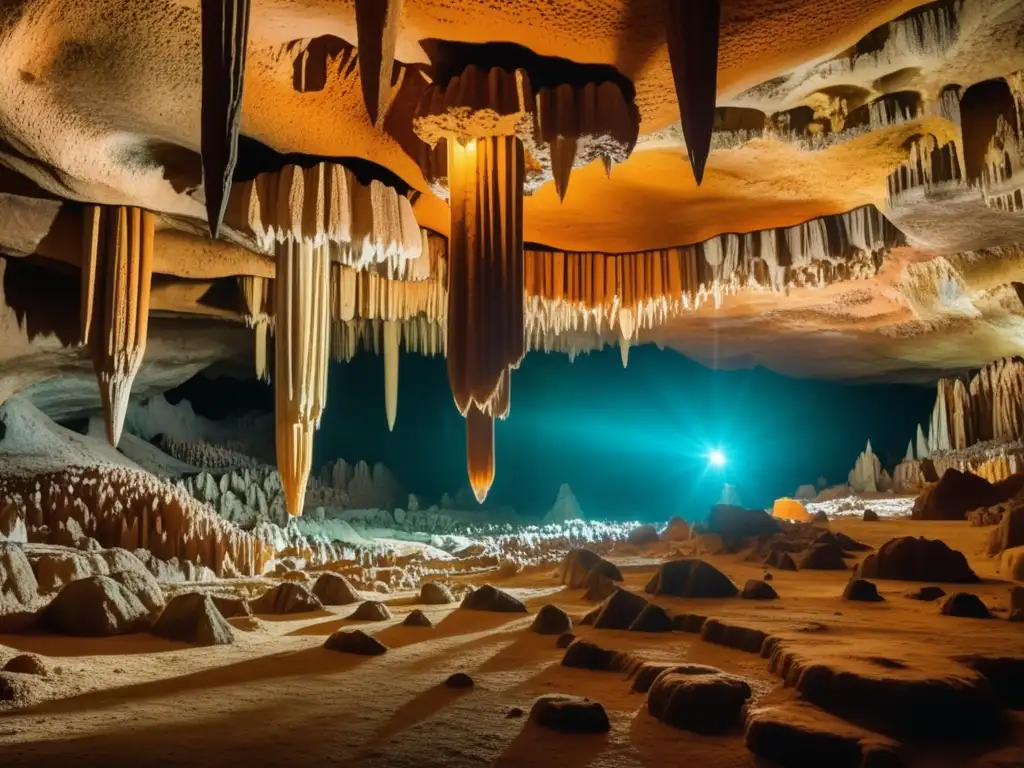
x=485, y=288
x=225, y=37
x=378, y=23
x=692, y=28
x=302, y=305
x=256, y=293
x=117, y=269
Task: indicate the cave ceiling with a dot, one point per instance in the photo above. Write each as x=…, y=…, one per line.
x=823, y=109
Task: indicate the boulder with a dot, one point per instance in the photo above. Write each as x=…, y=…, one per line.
x=707, y=703
x=690, y=577
x=96, y=606
x=18, y=585
x=676, y=530
x=870, y=516
x=917, y=559
x=821, y=557
x=551, y=620
x=643, y=536
x=570, y=714
x=371, y=610
x=860, y=590
x=755, y=589
x=620, y=610
x=417, y=618
x=459, y=681
x=355, y=641
x=286, y=597
x=653, y=618
x=142, y=584
x=736, y=524
x=956, y=493
x=193, y=618
x=490, y=598
x=27, y=664
x=583, y=654
x=927, y=594
x=965, y=605
x=433, y=593
x=335, y=589
x=578, y=564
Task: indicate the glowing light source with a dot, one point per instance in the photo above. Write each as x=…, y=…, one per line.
x=716, y=458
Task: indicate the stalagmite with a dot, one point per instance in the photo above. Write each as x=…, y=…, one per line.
x=909, y=456
x=692, y=31
x=391, y=332
x=479, y=451
x=225, y=35
x=378, y=23
x=301, y=301
x=117, y=268
x=922, y=444
x=256, y=293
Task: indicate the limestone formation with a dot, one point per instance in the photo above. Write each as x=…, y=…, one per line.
x=692, y=32
x=378, y=23
x=286, y=597
x=96, y=606
x=256, y=294
x=18, y=585
x=117, y=268
x=335, y=589
x=867, y=475
x=194, y=618
x=225, y=39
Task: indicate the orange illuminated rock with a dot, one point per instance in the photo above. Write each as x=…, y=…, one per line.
x=790, y=509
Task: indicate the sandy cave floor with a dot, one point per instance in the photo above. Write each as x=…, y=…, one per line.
x=276, y=697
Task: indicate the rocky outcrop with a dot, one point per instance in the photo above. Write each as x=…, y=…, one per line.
x=355, y=641
x=916, y=559
x=488, y=598
x=371, y=610
x=335, y=589
x=194, y=618
x=286, y=597
x=569, y=714
x=735, y=524
x=965, y=605
x=867, y=475
x=551, y=620
x=620, y=610
x=692, y=699
x=96, y=606
x=579, y=564
x=690, y=577
x=18, y=585
x=565, y=507
x=957, y=492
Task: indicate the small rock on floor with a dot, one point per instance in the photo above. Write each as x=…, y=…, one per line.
x=966, y=606
x=551, y=620
x=26, y=664
x=417, y=618
x=861, y=590
x=759, y=590
x=355, y=641
x=927, y=594
x=570, y=714
x=459, y=680
x=371, y=610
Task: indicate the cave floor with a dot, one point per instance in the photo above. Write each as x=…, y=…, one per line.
x=276, y=697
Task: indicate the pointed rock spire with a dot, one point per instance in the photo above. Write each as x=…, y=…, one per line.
x=910, y=451
x=563, y=154
x=391, y=331
x=479, y=451
x=692, y=32
x=225, y=35
x=378, y=23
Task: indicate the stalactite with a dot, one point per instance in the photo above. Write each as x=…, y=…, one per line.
x=378, y=23
x=225, y=36
x=302, y=308
x=257, y=315
x=325, y=205
x=480, y=462
x=117, y=268
x=391, y=334
x=692, y=31
x=928, y=167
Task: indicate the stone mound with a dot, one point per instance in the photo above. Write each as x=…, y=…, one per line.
x=735, y=524
x=965, y=605
x=433, y=593
x=355, y=641
x=286, y=597
x=917, y=559
x=459, y=680
x=490, y=598
x=27, y=664
x=755, y=589
x=417, y=618
x=583, y=654
x=143, y=586
x=707, y=703
x=599, y=587
x=371, y=610
x=335, y=589
x=620, y=610
x=96, y=606
x=578, y=564
x=927, y=594
x=569, y=714
x=653, y=618
x=193, y=618
x=551, y=620
x=643, y=535
x=824, y=556
x=956, y=493
x=18, y=586
x=690, y=577
x=860, y=590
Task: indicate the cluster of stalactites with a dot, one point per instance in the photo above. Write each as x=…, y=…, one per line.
x=369, y=296
x=360, y=225
x=1001, y=177
x=929, y=166
x=562, y=127
x=417, y=335
x=258, y=315
x=302, y=316
x=117, y=269
x=990, y=406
